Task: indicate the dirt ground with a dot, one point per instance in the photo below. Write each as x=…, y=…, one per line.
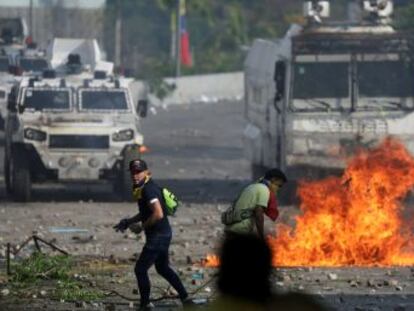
x=197, y=151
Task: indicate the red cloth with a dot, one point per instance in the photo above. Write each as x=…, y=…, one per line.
x=272, y=211
x=185, y=49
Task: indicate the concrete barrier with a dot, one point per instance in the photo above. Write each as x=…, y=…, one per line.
x=204, y=88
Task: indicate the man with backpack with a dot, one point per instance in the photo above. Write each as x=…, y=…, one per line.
x=152, y=219
x=246, y=215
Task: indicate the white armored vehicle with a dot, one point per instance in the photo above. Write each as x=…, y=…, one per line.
x=324, y=90
x=13, y=31
x=77, y=123
x=18, y=56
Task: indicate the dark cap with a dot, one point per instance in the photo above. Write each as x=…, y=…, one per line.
x=137, y=166
x=275, y=173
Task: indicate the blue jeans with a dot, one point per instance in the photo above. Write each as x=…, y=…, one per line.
x=155, y=251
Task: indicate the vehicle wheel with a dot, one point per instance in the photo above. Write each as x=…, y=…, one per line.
x=21, y=183
x=124, y=183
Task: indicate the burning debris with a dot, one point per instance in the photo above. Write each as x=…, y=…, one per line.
x=211, y=261
x=356, y=219
x=352, y=220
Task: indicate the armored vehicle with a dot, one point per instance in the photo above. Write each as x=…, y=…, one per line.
x=18, y=55
x=77, y=123
x=326, y=89
x=13, y=31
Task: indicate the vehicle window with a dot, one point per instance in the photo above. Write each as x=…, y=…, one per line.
x=4, y=64
x=385, y=79
x=33, y=64
x=321, y=80
x=103, y=100
x=40, y=99
x=2, y=94
x=10, y=28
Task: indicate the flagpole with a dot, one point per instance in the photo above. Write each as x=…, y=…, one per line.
x=173, y=23
x=178, y=42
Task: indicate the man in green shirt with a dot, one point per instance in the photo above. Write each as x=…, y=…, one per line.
x=246, y=215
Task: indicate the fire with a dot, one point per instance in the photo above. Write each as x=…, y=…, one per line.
x=356, y=219
x=211, y=261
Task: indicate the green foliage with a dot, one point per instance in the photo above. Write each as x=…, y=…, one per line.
x=160, y=88
x=405, y=17
x=75, y=291
x=41, y=268
x=219, y=32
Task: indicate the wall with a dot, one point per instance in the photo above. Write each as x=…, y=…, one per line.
x=204, y=88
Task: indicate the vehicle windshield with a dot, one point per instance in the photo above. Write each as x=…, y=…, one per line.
x=4, y=64
x=33, y=64
x=10, y=28
x=41, y=99
x=103, y=100
x=385, y=79
x=320, y=85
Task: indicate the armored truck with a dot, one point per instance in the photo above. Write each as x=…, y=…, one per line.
x=77, y=123
x=18, y=56
x=13, y=30
x=326, y=89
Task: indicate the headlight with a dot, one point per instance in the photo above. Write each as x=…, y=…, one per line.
x=33, y=134
x=93, y=162
x=123, y=135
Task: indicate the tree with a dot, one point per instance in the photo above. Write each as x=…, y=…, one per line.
x=220, y=31
x=404, y=18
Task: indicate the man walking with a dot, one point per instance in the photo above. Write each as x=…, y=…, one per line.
x=152, y=219
x=246, y=215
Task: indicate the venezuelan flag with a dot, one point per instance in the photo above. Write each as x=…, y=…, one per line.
x=185, y=56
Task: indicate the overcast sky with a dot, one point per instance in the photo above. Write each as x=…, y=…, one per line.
x=80, y=3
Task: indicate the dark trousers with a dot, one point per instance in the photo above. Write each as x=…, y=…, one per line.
x=155, y=252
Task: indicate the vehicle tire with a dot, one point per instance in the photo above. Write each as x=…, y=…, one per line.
x=21, y=183
x=1, y=123
x=124, y=183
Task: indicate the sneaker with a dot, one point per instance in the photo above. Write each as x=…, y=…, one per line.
x=146, y=307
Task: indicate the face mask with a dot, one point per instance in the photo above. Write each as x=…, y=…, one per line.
x=137, y=187
x=140, y=183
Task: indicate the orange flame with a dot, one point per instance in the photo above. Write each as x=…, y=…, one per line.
x=211, y=261
x=356, y=219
